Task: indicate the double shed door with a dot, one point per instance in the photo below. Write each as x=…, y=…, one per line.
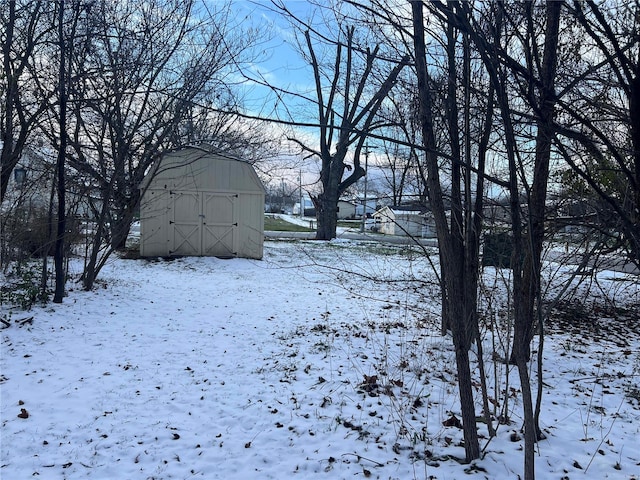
x=203, y=223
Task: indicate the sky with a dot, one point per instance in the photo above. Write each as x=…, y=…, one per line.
x=281, y=64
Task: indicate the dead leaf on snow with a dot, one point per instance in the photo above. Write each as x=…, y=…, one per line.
x=452, y=422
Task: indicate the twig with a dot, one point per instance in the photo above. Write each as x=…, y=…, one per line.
x=605, y=436
x=595, y=378
x=24, y=321
x=360, y=457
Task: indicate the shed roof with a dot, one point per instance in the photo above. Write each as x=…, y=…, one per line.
x=189, y=168
x=400, y=212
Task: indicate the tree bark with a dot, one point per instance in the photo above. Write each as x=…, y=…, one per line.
x=58, y=257
x=122, y=223
x=458, y=293
x=327, y=205
x=544, y=105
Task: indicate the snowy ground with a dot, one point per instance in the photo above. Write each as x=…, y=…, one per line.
x=303, y=365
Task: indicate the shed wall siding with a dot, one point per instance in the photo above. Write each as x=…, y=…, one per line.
x=397, y=222
x=202, y=204
x=154, y=219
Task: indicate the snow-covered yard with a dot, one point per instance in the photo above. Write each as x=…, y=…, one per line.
x=322, y=361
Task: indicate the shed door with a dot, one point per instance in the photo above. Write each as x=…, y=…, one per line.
x=220, y=225
x=185, y=225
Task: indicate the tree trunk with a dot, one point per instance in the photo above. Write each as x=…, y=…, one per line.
x=530, y=431
x=90, y=270
x=467, y=404
x=459, y=316
x=458, y=293
x=9, y=155
x=326, y=203
x=327, y=215
x=545, y=103
x=122, y=224
x=58, y=257
x=92, y=267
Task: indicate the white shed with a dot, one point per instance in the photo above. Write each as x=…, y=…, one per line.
x=398, y=221
x=197, y=202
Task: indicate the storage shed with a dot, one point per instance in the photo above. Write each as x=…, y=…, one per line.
x=202, y=203
x=400, y=221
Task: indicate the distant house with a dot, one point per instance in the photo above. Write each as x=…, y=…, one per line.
x=372, y=204
x=400, y=221
x=576, y=216
x=29, y=185
x=198, y=202
x=346, y=210
x=309, y=209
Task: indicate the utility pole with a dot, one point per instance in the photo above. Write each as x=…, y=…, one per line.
x=284, y=204
x=366, y=172
x=301, y=199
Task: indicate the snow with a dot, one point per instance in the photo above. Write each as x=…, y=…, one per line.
x=306, y=365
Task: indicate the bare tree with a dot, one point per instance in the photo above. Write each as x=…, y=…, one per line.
x=26, y=26
x=348, y=91
x=527, y=262
x=599, y=130
x=147, y=73
x=346, y=115
x=538, y=91
x=459, y=231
